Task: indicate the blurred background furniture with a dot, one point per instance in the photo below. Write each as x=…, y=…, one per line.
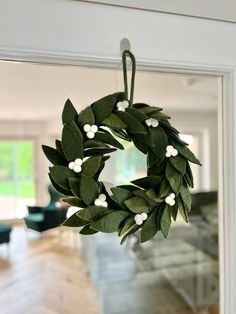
x=44, y=218
x=5, y=231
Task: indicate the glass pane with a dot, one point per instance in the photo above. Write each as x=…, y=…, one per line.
x=16, y=178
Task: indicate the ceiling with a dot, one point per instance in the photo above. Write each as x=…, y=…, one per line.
x=38, y=92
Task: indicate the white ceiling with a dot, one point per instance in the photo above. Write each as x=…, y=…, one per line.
x=38, y=92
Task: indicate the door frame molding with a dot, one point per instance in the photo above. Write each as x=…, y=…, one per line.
x=226, y=135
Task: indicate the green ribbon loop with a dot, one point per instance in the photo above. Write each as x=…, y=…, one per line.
x=132, y=58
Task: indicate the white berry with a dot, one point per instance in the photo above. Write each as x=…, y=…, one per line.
x=78, y=161
x=94, y=128
x=122, y=105
x=171, y=151
x=71, y=165
x=138, y=219
x=90, y=134
x=86, y=128
x=169, y=148
x=98, y=202
x=104, y=204
x=152, y=122
x=170, y=199
x=77, y=168
x=144, y=216
x=102, y=197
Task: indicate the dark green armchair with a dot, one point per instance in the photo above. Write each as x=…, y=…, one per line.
x=5, y=231
x=44, y=218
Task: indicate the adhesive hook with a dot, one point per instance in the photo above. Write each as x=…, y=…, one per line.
x=125, y=45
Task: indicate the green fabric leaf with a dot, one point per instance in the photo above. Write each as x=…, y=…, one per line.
x=92, y=212
x=95, y=144
x=121, y=134
x=69, y=113
x=146, y=138
x=76, y=130
x=71, y=144
x=161, y=141
x=59, y=148
x=186, y=195
x=107, y=138
x=74, y=184
x=88, y=190
x=133, y=124
x=178, y=163
x=151, y=193
x=104, y=106
x=98, y=151
x=174, y=178
x=150, y=227
x=185, y=152
x=189, y=176
x=140, y=146
x=73, y=201
x=137, y=114
x=60, y=175
x=110, y=222
x=91, y=166
x=127, y=224
x=137, y=205
x=74, y=221
x=183, y=210
x=142, y=194
x=131, y=230
x=147, y=109
x=174, y=209
x=165, y=189
x=165, y=221
x=168, y=127
x=58, y=187
x=158, y=115
x=86, y=116
x=147, y=182
x=53, y=156
x=114, y=122
x=121, y=194
x=87, y=230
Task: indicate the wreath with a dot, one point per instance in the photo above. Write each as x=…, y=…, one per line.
x=147, y=204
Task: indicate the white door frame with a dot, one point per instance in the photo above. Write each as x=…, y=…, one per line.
x=227, y=153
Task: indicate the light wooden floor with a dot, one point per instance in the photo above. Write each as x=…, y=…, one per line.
x=44, y=276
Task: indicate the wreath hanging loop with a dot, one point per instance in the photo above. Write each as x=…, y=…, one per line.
x=147, y=205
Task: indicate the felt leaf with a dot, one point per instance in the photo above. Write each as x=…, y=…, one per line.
x=152, y=194
x=188, y=175
x=110, y=222
x=121, y=194
x=74, y=184
x=71, y=144
x=133, y=125
x=147, y=109
x=183, y=210
x=165, y=189
x=174, y=209
x=166, y=125
x=74, y=221
x=87, y=230
x=186, y=195
x=165, y=221
x=108, y=139
x=137, y=114
x=142, y=194
x=86, y=116
x=131, y=230
x=104, y=106
x=157, y=114
x=92, y=212
x=146, y=138
x=158, y=169
x=76, y=130
x=128, y=187
x=127, y=224
x=58, y=187
x=175, y=137
x=121, y=134
x=137, y=205
x=60, y=175
x=140, y=146
x=98, y=151
x=69, y=113
x=150, y=227
x=88, y=190
x=114, y=122
x=73, y=201
x=179, y=163
x=91, y=166
x=59, y=148
x=53, y=156
x=140, y=105
x=185, y=152
x=161, y=141
x=95, y=144
x=147, y=182
x=174, y=178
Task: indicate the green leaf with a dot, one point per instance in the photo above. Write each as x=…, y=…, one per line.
x=186, y=195
x=107, y=138
x=137, y=114
x=165, y=221
x=121, y=134
x=161, y=141
x=127, y=224
x=121, y=194
x=152, y=194
x=86, y=116
x=178, y=163
x=143, y=194
x=137, y=205
x=53, y=156
x=58, y=187
x=158, y=115
x=131, y=230
x=94, y=144
x=60, y=175
x=98, y=151
x=114, y=122
x=87, y=230
x=71, y=144
x=69, y=113
x=148, y=182
x=150, y=227
x=59, y=148
x=185, y=152
x=92, y=212
x=133, y=124
x=91, y=166
x=73, y=201
x=74, y=221
x=110, y=222
x=188, y=175
x=174, y=209
x=88, y=190
x=147, y=109
x=183, y=210
x=76, y=130
x=165, y=188
x=174, y=178
x=74, y=184
x=166, y=125
x=104, y=106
